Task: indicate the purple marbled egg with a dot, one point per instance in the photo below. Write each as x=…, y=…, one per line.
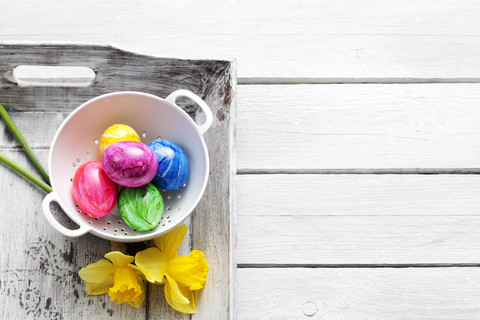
x=129, y=163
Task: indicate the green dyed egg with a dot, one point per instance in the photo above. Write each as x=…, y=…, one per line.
x=141, y=208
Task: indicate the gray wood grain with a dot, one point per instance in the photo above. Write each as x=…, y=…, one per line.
x=210, y=224
x=38, y=266
x=115, y=70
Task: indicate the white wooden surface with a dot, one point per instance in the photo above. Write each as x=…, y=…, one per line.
x=359, y=126
x=358, y=219
x=332, y=187
x=359, y=293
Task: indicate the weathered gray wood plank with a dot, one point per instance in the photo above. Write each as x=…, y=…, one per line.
x=116, y=70
x=209, y=224
x=38, y=270
x=38, y=128
x=38, y=266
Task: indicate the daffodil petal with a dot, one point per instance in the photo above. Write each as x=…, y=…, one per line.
x=94, y=288
x=169, y=242
x=119, y=259
x=178, y=297
x=99, y=276
x=152, y=263
x=137, y=271
x=97, y=272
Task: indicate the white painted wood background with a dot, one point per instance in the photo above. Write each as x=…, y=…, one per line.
x=358, y=151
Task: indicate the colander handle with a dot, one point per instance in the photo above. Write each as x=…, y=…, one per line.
x=55, y=224
x=172, y=98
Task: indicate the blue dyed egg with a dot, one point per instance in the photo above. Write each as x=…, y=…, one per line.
x=173, y=167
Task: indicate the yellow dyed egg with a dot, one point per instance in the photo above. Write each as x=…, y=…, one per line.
x=115, y=133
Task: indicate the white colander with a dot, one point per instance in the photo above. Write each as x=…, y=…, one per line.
x=76, y=142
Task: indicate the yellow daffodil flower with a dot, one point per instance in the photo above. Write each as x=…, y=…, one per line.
x=182, y=273
x=122, y=280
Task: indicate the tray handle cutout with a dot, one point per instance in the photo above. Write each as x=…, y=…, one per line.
x=51, y=76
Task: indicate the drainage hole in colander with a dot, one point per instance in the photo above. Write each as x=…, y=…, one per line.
x=144, y=134
x=71, y=179
x=169, y=197
x=163, y=225
x=184, y=185
x=123, y=230
x=126, y=233
x=178, y=209
x=104, y=229
x=96, y=219
x=78, y=160
x=168, y=208
x=115, y=230
x=88, y=155
x=179, y=196
x=108, y=222
x=119, y=221
x=89, y=222
x=96, y=141
x=74, y=164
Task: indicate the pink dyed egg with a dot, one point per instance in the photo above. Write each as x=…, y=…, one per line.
x=130, y=163
x=93, y=191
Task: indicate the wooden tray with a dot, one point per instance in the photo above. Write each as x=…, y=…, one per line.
x=38, y=266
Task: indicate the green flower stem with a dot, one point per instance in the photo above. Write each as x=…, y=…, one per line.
x=24, y=172
x=13, y=127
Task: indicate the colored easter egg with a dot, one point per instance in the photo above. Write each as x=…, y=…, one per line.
x=173, y=167
x=141, y=208
x=129, y=163
x=115, y=133
x=93, y=191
